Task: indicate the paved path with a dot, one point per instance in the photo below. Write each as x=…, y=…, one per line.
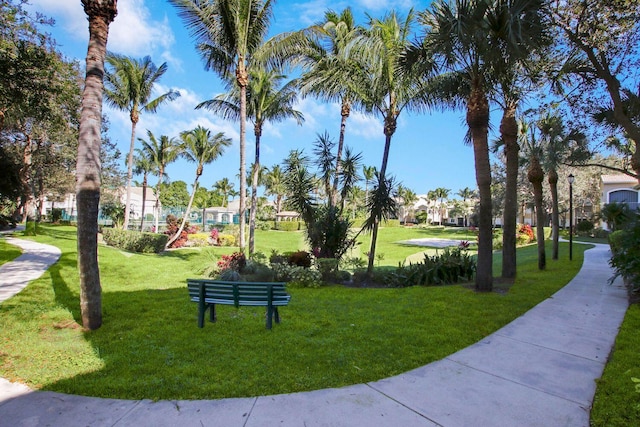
x=539, y=370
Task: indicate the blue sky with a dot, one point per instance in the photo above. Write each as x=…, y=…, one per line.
x=427, y=151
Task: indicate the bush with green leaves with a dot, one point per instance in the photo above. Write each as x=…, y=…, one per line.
x=135, y=241
x=625, y=245
x=584, y=228
x=299, y=258
x=287, y=225
x=452, y=266
x=296, y=275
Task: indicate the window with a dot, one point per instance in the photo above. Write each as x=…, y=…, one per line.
x=623, y=196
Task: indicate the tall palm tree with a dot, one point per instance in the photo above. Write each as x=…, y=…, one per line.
x=332, y=74
x=409, y=198
x=163, y=151
x=224, y=187
x=470, y=38
x=519, y=66
x=392, y=84
x=129, y=87
x=275, y=185
x=267, y=100
x=533, y=149
x=143, y=165
x=200, y=147
x=559, y=145
x=100, y=13
x=228, y=33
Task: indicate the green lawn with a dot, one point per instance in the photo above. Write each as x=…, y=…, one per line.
x=8, y=252
x=150, y=347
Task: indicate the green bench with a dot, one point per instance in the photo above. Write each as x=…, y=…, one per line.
x=207, y=293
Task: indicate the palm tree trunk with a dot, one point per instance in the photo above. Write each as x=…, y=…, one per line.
x=478, y=121
x=186, y=214
x=536, y=177
x=509, y=132
x=389, y=130
x=144, y=200
x=254, y=191
x=345, y=111
x=555, y=217
x=242, y=81
x=101, y=14
x=127, y=204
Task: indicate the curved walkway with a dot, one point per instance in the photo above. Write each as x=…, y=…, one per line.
x=539, y=370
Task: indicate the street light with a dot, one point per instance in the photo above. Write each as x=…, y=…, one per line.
x=571, y=179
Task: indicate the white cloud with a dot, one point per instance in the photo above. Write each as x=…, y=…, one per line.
x=133, y=31
x=365, y=125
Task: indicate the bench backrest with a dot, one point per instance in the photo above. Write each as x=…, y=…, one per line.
x=238, y=293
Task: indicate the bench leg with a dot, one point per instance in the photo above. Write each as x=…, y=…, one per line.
x=202, y=307
x=276, y=315
x=212, y=313
x=269, y=316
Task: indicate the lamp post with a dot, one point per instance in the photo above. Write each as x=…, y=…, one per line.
x=570, y=179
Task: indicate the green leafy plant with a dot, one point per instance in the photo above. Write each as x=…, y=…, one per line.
x=135, y=241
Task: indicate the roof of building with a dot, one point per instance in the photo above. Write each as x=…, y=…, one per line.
x=618, y=179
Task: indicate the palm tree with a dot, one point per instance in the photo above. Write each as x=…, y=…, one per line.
x=267, y=100
x=470, y=38
x=432, y=196
x=201, y=148
x=129, y=87
x=325, y=161
x=466, y=193
x=534, y=152
x=409, y=198
x=274, y=183
x=163, y=151
x=228, y=33
x=442, y=194
x=331, y=74
x=392, y=84
x=143, y=165
x=349, y=177
x=224, y=187
x=100, y=13
x=558, y=148
x=515, y=72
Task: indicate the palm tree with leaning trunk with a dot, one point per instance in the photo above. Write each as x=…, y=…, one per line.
x=267, y=100
x=200, y=147
x=228, y=33
x=390, y=84
x=129, y=87
x=163, y=152
x=101, y=13
x=275, y=184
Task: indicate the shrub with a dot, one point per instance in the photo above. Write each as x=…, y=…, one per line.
x=214, y=235
x=600, y=233
x=625, y=245
x=327, y=268
x=198, y=240
x=173, y=224
x=584, y=227
x=452, y=266
x=135, y=241
x=236, y=262
x=287, y=225
x=300, y=258
x=526, y=230
x=226, y=240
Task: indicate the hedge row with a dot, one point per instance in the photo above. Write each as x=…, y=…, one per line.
x=135, y=241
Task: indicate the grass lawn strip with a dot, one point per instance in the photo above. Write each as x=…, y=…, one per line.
x=150, y=346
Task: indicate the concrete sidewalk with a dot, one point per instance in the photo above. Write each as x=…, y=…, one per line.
x=539, y=370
